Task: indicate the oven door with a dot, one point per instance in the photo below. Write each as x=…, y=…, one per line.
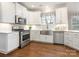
x=24, y=39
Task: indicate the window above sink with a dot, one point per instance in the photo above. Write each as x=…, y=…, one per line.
x=48, y=18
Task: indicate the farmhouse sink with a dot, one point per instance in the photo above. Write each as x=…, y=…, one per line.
x=46, y=32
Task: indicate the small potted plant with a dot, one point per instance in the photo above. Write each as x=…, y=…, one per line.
x=30, y=26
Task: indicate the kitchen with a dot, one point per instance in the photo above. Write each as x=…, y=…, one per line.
x=25, y=23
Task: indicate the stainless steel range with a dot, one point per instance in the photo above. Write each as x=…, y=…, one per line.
x=24, y=38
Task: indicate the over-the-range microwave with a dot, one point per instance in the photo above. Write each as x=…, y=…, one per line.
x=20, y=20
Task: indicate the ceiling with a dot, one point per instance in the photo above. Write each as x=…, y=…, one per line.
x=37, y=6
x=40, y=5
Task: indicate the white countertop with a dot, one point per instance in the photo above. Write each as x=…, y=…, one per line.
x=67, y=30
x=63, y=30
x=72, y=30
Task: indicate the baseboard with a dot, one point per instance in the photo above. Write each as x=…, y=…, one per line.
x=3, y=52
x=41, y=42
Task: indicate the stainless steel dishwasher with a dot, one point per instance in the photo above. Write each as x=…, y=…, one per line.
x=58, y=37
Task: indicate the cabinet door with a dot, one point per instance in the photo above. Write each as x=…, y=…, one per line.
x=13, y=41
x=19, y=10
x=68, y=40
x=76, y=40
x=24, y=12
x=7, y=12
x=49, y=38
x=61, y=16
x=27, y=16
x=76, y=43
x=32, y=35
x=43, y=38
x=35, y=35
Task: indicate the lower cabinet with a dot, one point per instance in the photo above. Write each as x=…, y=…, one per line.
x=42, y=38
x=9, y=42
x=71, y=39
x=46, y=38
x=49, y=38
x=76, y=40
x=35, y=35
x=13, y=41
x=68, y=39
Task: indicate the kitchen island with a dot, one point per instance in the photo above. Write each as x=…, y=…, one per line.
x=9, y=41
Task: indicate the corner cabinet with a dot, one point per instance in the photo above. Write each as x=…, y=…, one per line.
x=35, y=35
x=71, y=39
x=7, y=12
x=61, y=15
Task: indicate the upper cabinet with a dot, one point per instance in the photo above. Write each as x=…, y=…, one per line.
x=7, y=12
x=19, y=10
x=61, y=15
x=34, y=17
x=22, y=11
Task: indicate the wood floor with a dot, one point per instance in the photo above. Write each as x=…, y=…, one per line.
x=43, y=50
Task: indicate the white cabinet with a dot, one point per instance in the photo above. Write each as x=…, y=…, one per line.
x=61, y=15
x=76, y=43
x=35, y=35
x=34, y=17
x=19, y=10
x=46, y=38
x=7, y=12
x=43, y=38
x=72, y=39
x=22, y=11
x=75, y=37
x=68, y=40
x=49, y=38
x=9, y=42
x=13, y=41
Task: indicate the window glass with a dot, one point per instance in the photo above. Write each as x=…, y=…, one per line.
x=48, y=18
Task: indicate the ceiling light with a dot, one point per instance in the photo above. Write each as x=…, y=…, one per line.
x=32, y=6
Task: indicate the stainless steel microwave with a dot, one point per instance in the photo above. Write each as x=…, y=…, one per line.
x=20, y=20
